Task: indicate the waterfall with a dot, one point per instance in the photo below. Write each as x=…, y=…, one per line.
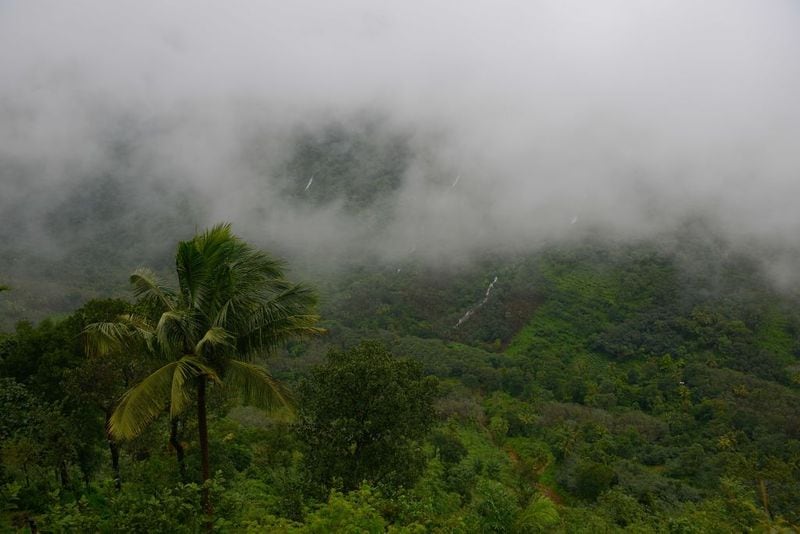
x=477, y=306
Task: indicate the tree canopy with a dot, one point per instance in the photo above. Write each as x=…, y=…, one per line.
x=364, y=414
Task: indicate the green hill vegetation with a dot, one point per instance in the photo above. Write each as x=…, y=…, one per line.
x=601, y=387
x=587, y=386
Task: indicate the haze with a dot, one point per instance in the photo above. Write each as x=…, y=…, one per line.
x=527, y=121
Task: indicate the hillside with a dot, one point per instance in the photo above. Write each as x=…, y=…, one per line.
x=585, y=385
x=598, y=386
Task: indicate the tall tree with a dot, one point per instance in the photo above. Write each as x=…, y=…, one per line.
x=232, y=306
x=364, y=416
x=99, y=382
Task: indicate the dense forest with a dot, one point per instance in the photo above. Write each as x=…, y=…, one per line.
x=594, y=387
x=598, y=388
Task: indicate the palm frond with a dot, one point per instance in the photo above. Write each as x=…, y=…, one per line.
x=256, y=386
x=279, y=319
x=293, y=298
x=175, y=332
x=216, y=336
x=142, y=327
x=147, y=286
x=192, y=274
x=276, y=334
x=222, y=275
x=223, y=255
x=123, y=335
x=187, y=368
x=143, y=403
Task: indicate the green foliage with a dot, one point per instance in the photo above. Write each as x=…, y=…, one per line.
x=621, y=508
x=74, y=516
x=602, y=388
x=540, y=515
x=18, y=406
x=134, y=509
x=589, y=479
x=351, y=514
x=448, y=446
x=362, y=417
x=495, y=508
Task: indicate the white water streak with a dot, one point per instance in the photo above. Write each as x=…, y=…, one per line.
x=476, y=307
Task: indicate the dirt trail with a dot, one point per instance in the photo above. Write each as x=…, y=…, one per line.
x=545, y=490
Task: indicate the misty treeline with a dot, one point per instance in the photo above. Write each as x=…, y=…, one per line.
x=601, y=387
x=527, y=117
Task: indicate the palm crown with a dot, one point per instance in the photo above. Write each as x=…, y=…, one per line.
x=232, y=305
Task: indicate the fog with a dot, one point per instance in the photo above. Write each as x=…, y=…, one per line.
x=525, y=122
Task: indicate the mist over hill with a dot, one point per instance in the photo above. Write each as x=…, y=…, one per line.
x=329, y=198
x=487, y=125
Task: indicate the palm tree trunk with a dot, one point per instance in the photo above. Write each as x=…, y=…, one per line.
x=202, y=425
x=175, y=442
x=63, y=474
x=113, y=447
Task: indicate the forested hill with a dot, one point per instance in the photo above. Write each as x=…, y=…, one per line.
x=58, y=248
x=598, y=387
x=584, y=385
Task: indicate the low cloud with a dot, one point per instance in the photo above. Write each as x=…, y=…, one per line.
x=523, y=122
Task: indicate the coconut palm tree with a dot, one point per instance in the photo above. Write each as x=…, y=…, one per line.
x=232, y=306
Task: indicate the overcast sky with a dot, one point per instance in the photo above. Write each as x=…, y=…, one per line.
x=553, y=116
